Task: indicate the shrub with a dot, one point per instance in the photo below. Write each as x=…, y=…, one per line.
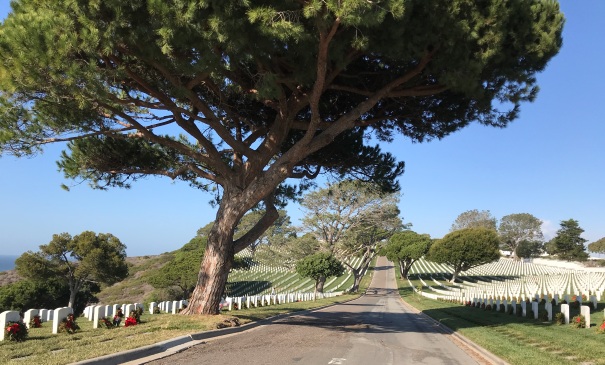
x=559, y=318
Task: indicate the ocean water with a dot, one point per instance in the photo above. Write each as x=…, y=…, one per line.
x=7, y=262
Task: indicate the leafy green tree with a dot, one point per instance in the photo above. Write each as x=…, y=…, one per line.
x=406, y=248
x=279, y=231
x=182, y=270
x=466, y=248
x=83, y=259
x=597, y=246
x=51, y=293
x=350, y=218
x=517, y=228
x=288, y=252
x=236, y=97
x=567, y=244
x=365, y=240
x=529, y=249
x=318, y=266
x=473, y=219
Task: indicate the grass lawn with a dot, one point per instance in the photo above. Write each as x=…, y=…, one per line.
x=44, y=348
x=515, y=339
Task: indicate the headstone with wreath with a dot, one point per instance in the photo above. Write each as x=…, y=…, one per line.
x=5, y=318
x=59, y=315
x=29, y=315
x=585, y=311
x=565, y=311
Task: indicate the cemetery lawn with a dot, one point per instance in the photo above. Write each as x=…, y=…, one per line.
x=515, y=339
x=44, y=348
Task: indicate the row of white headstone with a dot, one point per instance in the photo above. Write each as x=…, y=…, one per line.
x=46, y=315
x=238, y=303
x=95, y=312
x=497, y=303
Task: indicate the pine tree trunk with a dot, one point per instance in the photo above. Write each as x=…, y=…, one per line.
x=217, y=261
x=212, y=279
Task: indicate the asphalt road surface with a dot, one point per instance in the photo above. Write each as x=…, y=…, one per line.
x=377, y=328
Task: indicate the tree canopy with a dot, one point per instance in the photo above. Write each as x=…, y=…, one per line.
x=351, y=218
x=235, y=97
x=473, y=219
x=318, y=266
x=567, y=244
x=597, y=246
x=79, y=260
x=181, y=272
x=517, y=228
x=405, y=248
x=466, y=248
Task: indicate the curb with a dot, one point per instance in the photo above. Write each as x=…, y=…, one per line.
x=175, y=345
x=479, y=351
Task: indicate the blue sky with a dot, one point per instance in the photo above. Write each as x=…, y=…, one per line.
x=550, y=163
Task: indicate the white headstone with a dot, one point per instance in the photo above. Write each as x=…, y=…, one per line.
x=99, y=312
x=152, y=307
x=5, y=317
x=50, y=315
x=565, y=311
x=549, y=311
x=59, y=314
x=114, y=308
x=126, y=309
x=524, y=308
x=175, y=307
x=86, y=312
x=556, y=298
x=28, y=316
x=109, y=311
x=585, y=311
x=43, y=314
x=248, y=302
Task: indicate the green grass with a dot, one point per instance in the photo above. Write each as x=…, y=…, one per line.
x=44, y=348
x=515, y=339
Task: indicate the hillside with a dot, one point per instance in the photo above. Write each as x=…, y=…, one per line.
x=135, y=288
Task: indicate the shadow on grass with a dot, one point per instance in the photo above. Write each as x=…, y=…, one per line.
x=251, y=287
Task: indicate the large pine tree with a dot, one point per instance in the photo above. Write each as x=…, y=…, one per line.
x=242, y=95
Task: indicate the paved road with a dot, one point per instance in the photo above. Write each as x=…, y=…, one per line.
x=374, y=329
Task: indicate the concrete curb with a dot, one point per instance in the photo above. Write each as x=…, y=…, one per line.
x=175, y=345
x=487, y=356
